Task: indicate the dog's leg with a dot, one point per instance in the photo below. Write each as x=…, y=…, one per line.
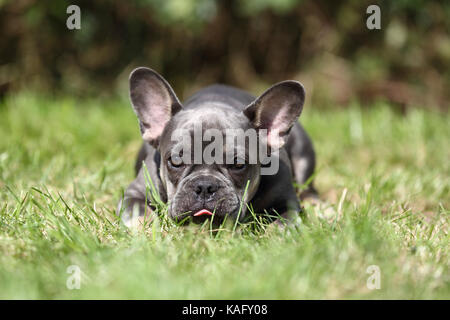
x=135, y=207
x=292, y=216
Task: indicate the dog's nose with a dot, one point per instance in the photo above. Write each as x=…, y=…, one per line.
x=205, y=189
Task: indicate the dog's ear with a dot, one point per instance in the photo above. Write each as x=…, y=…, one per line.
x=154, y=102
x=276, y=110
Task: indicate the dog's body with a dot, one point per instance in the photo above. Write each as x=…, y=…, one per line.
x=224, y=190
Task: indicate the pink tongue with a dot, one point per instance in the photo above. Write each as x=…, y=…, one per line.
x=202, y=212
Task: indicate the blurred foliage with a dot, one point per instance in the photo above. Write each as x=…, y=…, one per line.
x=250, y=44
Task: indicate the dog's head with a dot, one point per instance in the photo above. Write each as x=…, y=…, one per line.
x=203, y=174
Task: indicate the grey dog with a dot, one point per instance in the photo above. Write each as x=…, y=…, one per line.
x=198, y=191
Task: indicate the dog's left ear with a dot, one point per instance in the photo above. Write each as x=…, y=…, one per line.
x=154, y=102
x=276, y=110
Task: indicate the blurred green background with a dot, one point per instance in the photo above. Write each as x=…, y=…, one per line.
x=68, y=141
x=250, y=44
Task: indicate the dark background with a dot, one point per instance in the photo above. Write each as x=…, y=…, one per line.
x=250, y=44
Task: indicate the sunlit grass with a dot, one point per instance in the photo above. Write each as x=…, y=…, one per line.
x=383, y=179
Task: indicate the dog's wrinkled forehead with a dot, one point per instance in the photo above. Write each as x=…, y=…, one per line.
x=208, y=116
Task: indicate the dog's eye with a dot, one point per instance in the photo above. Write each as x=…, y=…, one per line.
x=238, y=165
x=175, y=161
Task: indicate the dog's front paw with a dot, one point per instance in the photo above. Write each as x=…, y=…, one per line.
x=286, y=223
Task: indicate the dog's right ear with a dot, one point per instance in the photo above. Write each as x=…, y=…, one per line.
x=154, y=102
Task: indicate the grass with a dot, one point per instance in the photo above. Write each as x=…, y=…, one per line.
x=383, y=179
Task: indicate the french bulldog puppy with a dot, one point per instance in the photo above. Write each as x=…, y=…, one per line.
x=195, y=189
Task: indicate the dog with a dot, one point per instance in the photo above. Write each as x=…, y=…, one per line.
x=200, y=190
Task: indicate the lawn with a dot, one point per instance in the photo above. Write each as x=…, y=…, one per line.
x=383, y=178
